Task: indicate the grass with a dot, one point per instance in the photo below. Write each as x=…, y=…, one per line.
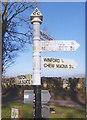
x=26, y=111
x=68, y=112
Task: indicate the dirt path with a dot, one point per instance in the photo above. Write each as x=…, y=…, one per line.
x=66, y=103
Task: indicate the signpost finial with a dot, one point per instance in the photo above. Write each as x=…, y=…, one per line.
x=36, y=16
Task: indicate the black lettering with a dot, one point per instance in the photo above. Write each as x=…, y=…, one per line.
x=70, y=67
x=56, y=60
x=47, y=59
x=53, y=65
x=44, y=35
x=45, y=65
x=49, y=65
x=61, y=66
x=57, y=65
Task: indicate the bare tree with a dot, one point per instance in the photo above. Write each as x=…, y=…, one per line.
x=16, y=29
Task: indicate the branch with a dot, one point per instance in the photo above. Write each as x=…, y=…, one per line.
x=18, y=11
x=17, y=32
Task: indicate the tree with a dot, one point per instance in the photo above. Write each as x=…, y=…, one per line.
x=16, y=30
x=73, y=90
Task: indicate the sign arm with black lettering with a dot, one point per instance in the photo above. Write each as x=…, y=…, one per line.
x=59, y=45
x=58, y=63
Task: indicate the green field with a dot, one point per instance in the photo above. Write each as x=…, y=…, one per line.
x=26, y=111
x=68, y=112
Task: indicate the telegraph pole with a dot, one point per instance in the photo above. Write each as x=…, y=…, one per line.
x=36, y=20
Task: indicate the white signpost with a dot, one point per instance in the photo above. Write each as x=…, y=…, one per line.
x=36, y=20
x=46, y=45
x=58, y=63
x=59, y=45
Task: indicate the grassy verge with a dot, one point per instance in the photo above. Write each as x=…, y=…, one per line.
x=26, y=111
x=67, y=112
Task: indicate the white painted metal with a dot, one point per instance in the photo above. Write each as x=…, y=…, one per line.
x=58, y=63
x=59, y=45
x=36, y=19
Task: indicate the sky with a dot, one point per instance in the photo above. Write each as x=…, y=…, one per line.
x=63, y=21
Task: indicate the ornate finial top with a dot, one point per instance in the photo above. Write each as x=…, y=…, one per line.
x=36, y=13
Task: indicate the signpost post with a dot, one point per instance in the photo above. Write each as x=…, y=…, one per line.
x=36, y=20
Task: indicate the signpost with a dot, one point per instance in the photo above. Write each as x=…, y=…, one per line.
x=57, y=45
x=29, y=96
x=58, y=63
x=50, y=45
x=36, y=20
x=45, y=97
